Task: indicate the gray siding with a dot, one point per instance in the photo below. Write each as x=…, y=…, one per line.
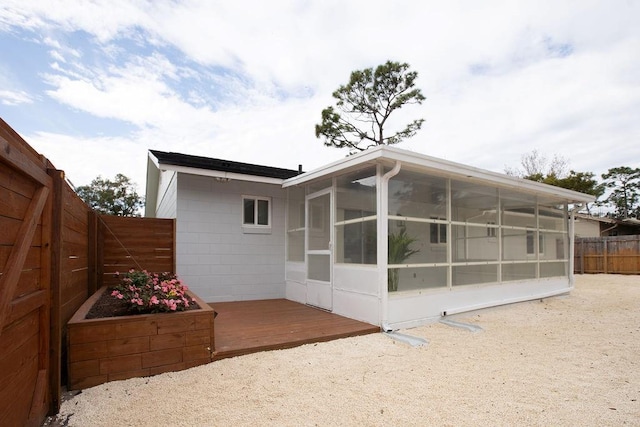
x=167, y=195
x=586, y=228
x=216, y=257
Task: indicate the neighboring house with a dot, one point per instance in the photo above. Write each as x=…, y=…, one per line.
x=591, y=226
x=475, y=238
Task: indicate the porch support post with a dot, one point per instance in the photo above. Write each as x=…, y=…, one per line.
x=383, y=241
x=571, y=230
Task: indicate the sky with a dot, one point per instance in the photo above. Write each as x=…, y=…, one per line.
x=93, y=85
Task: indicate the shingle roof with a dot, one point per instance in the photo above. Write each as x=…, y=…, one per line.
x=177, y=159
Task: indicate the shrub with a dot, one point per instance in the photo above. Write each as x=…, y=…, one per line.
x=146, y=292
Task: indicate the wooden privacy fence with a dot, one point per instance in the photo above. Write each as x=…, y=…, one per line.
x=612, y=255
x=141, y=243
x=25, y=262
x=54, y=253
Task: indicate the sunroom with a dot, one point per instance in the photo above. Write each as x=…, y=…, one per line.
x=398, y=239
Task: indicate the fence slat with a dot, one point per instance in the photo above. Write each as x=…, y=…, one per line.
x=609, y=255
x=25, y=264
x=54, y=254
x=18, y=255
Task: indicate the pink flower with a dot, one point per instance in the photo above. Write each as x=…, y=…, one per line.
x=152, y=292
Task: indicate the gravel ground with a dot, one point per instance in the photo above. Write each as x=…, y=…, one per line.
x=568, y=360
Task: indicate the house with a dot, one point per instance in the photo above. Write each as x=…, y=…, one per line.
x=230, y=223
x=602, y=226
x=388, y=236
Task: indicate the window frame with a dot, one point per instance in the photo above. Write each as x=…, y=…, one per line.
x=492, y=230
x=255, y=227
x=439, y=231
x=531, y=237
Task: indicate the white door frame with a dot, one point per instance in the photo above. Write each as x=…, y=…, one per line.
x=319, y=293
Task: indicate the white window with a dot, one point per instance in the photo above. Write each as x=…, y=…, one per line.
x=438, y=232
x=256, y=212
x=491, y=229
x=531, y=241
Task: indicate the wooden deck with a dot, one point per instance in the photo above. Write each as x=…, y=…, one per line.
x=245, y=327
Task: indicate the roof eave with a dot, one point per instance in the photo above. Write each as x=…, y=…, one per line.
x=205, y=166
x=442, y=166
x=227, y=176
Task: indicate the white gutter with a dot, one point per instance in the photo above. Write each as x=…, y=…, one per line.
x=572, y=242
x=383, y=245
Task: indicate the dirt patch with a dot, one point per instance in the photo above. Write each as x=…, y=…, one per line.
x=569, y=360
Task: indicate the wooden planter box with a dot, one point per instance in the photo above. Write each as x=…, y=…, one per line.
x=117, y=348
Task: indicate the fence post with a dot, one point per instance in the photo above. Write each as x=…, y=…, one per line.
x=92, y=256
x=605, y=250
x=57, y=210
x=173, y=250
x=637, y=250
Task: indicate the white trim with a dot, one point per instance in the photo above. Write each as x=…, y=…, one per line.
x=221, y=175
x=506, y=301
x=382, y=194
x=319, y=252
x=357, y=220
x=256, y=228
x=154, y=159
x=433, y=164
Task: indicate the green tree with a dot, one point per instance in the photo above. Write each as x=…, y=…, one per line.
x=536, y=167
x=117, y=197
x=364, y=105
x=624, y=183
x=583, y=182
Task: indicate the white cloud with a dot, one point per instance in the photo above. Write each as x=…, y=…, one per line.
x=280, y=135
x=136, y=92
x=83, y=159
x=11, y=97
x=500, y=78
x=12, y=93
x=104, y=19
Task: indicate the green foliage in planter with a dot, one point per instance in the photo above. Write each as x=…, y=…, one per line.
x=399, y=250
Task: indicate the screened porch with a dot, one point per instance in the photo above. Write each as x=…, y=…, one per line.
x=403, y=238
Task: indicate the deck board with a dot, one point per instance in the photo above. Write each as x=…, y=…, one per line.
x=244, y=327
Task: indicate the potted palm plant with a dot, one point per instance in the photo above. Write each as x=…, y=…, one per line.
x=399, y=251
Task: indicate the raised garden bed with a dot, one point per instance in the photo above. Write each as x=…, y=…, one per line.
x=117, y=348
